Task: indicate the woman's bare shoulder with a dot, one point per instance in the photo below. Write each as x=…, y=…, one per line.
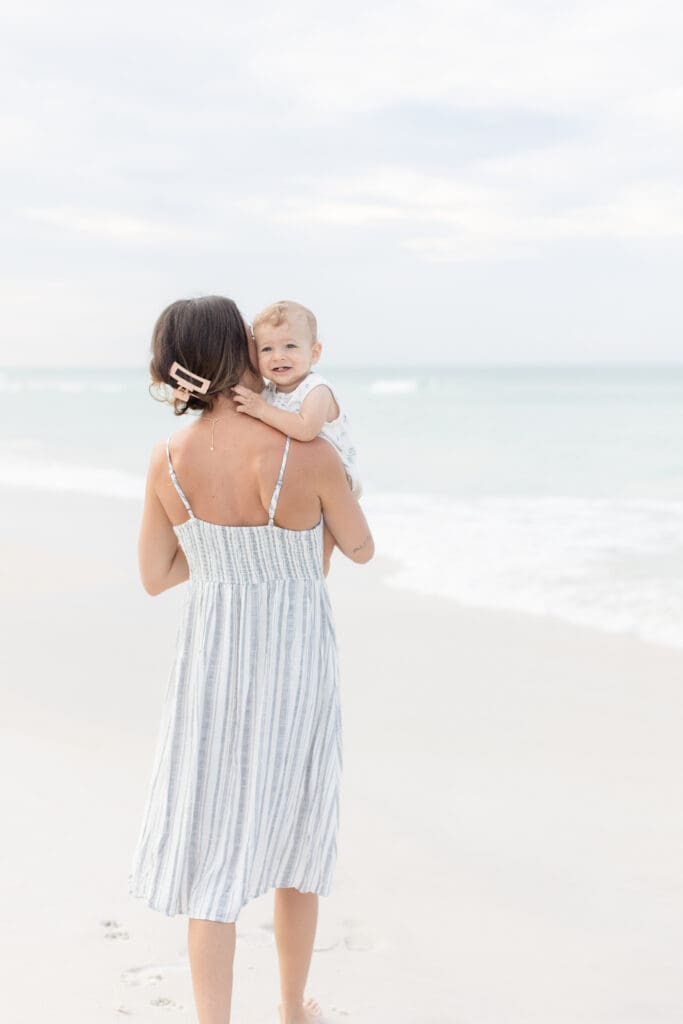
x=179, y=436
x=174, y=443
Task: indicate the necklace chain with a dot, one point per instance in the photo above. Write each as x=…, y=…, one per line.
x=214, y=420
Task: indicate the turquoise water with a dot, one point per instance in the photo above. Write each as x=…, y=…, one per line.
x=557, y=491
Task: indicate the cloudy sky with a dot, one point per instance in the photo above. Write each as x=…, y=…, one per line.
x=442, y=182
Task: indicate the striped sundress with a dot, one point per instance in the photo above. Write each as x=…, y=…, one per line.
x=245, y=787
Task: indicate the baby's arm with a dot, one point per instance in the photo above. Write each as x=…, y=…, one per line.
x=303, y=425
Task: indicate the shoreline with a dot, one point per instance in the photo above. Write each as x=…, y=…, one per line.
x=119, y=508
x=510, y=833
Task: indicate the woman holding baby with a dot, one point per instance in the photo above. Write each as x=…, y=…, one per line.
x=246, y=504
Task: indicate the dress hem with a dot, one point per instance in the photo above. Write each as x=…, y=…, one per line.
x=155, y=904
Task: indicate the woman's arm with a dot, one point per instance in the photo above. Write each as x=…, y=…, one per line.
x=303, y=425
x=161, y=560
x=329, y=544
x=343, y=515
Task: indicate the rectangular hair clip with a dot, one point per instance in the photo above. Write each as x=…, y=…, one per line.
x=185, y=385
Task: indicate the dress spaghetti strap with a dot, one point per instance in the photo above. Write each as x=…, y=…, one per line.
x=278, y=485
x=174, y=478
x=273, y=500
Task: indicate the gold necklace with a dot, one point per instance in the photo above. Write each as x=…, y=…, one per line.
x=214, y=421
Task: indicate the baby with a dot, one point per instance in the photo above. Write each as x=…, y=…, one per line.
x=296, y=400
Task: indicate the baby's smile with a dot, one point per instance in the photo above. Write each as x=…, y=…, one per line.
x=286, y=351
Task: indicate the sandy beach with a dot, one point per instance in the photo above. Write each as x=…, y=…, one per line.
x=511, y=833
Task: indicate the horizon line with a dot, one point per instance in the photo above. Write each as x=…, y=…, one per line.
x=384, y=368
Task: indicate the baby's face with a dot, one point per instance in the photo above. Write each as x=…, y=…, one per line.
x=286, y=353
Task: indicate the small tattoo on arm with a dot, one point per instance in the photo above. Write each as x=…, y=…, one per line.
x=360, y=546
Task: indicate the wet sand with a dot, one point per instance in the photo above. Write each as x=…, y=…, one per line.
x=511, y=835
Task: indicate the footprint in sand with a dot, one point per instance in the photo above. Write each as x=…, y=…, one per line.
x=152, y=974
x=356, y=937
x=145, y=975
x=167, y=1004
x=114, y=930
x=359, y=942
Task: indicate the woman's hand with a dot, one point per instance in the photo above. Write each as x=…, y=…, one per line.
x=249, y=401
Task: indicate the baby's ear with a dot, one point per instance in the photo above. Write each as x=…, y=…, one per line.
x=315, y=352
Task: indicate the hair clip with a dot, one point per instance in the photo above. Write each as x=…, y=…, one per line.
x=186, y=386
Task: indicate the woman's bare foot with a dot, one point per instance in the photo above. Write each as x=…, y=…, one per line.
x=308, y=1013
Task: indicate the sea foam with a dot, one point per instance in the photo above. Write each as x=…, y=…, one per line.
x=393, y=387
x=616, y=565
x=53, y=475
x=613, y=564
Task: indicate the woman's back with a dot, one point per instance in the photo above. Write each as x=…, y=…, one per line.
x=242, y=552
x=232, y=484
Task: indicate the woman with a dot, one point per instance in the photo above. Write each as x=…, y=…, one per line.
x=245, y=786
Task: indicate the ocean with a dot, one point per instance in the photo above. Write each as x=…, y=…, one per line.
x=555, y=491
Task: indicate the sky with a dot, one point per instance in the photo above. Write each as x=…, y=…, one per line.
x=442, y=183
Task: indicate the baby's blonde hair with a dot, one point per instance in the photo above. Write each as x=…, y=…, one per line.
x=279, y=312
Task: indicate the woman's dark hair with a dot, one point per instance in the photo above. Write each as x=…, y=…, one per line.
x=208, y=337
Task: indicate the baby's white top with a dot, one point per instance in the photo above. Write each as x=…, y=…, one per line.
x=336, y=431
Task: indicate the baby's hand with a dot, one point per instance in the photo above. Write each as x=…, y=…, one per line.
x=248, y=401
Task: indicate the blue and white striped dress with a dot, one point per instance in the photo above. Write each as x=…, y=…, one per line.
x=245, y=788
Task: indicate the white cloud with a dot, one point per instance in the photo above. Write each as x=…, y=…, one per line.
x=580, y=54
x=443, y=218
x=323, y=145
x=104, y=225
